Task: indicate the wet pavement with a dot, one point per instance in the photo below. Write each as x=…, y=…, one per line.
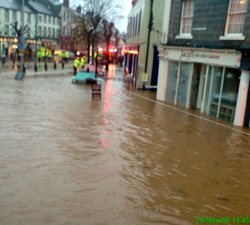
x=124, y=159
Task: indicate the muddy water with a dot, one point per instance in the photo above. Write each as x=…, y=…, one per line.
x=65, y=159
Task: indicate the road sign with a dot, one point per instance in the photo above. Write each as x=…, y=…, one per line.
x=21, y=46
x=21, y=52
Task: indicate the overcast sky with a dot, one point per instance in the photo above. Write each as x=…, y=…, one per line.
x=120, y=24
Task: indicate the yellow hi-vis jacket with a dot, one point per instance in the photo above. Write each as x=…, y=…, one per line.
x=82, y=62
x=76, y=63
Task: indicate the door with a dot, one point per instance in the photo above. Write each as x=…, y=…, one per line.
x=201, y=86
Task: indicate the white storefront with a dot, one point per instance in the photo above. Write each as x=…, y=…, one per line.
x=204, y=79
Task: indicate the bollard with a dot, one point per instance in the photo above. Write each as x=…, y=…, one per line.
x=3, y=60
x=23, y=68
x=45, y=66
x=55, y=65
x=35, y=67
x=62, y=64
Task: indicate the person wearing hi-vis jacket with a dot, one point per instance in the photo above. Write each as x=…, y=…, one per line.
x=76, y=65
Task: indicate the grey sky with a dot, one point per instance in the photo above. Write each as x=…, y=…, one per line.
x=120, y=24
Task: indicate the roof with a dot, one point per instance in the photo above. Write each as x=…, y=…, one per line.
x=42, y=8
x=15, y=5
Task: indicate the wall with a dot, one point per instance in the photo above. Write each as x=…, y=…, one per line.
x=211, y=14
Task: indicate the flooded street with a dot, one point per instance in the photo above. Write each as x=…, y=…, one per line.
x=68, y=159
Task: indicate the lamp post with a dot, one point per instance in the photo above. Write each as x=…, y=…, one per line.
x=22, y=66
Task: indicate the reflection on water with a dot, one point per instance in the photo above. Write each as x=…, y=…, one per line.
x=68, y=159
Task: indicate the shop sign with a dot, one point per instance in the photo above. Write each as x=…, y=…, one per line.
x=192, y=54
x=203, y=56
x=199, y=28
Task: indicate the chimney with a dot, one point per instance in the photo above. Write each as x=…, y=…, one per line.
x=66, y=3
x=79, y=9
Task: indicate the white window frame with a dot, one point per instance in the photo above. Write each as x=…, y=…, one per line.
x=186, y=35
x=6, y=15
x=228, y=16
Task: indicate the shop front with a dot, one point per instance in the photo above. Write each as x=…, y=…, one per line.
x=205, y=80
x=131, y=55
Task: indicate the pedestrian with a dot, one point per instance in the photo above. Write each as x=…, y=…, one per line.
x=83, y=62
x=6, y=53
x=76, y=65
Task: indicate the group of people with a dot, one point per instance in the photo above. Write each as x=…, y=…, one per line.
x=44, y=53
x=77, y=64
x=64, y=56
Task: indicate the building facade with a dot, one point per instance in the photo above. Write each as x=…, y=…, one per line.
x=204, y=58
x=47, y=24
x=141, y=54
x=68, y=16
x=42, y=20
x=9, y=13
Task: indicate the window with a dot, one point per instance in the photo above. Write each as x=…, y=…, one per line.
x=40, y=18
x=53, y=32
x=49, y=19
x=49, y=29
x=54, y=20
x=139, y=24
x=44, y=31
x=44, y=18
x=64, y=17
x=136, y=24
x=58, y=21
x=236, y=16
x=67, y=17
x=64, y=31
x=39, y=30
x=28, y=18
x=187, y=17
x=134, y=27
x=6, y=30
x=72, y=18
x=67, y=31
x=6, y=15
x=58, y=32
x=13, y=16
x=28, y=31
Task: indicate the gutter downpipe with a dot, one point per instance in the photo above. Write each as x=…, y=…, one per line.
x=150, y=24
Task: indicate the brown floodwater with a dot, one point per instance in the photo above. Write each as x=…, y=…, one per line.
x=68, y=159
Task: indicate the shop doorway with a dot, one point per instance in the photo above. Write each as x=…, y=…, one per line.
x=201, y=75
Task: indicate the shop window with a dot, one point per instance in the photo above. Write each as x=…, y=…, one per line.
x=172, y=81
x=221, y=92
x=236, y=17
x=187, y=17
x=6, y=15
x=182, y=91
